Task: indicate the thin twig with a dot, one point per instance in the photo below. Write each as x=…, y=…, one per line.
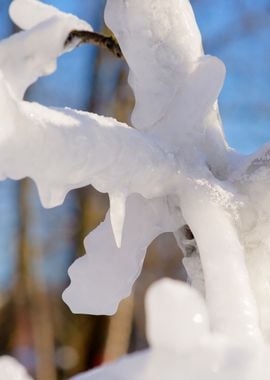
x=84, y=36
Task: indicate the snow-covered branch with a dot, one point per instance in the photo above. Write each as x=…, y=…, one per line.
x=174, y=168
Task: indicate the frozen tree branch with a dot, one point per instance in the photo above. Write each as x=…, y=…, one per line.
x=173, y=169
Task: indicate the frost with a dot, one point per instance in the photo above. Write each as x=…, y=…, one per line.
x=10, y=369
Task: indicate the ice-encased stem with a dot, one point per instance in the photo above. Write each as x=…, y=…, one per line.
x=232, y=306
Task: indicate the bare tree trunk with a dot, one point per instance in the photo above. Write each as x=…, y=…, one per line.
x=31, y=298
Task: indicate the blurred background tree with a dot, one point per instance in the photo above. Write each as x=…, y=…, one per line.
x=37, y=246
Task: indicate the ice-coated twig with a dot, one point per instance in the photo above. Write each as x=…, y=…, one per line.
x=87, y=37
x=175, y=162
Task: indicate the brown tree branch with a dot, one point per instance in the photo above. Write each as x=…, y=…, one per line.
x=84, y=36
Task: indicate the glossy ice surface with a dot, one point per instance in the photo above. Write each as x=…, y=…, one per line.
x=10, y=369
x=182, y=345
x=173, y=168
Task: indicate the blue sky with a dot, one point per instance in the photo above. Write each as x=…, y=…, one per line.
x=238, y=33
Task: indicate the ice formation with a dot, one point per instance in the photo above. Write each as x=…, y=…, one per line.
x=173, y=169
x=182, y=345
x=10, y=369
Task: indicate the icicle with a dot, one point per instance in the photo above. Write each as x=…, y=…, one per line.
x=117, y=214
